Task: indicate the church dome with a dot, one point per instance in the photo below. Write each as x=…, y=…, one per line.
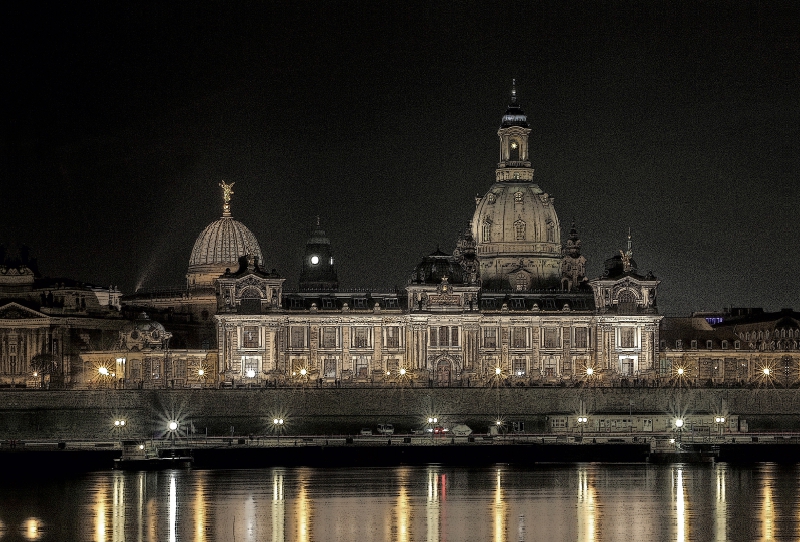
x=219, y=247
x=515, y=226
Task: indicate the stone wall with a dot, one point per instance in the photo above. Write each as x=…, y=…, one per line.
x=69, y=415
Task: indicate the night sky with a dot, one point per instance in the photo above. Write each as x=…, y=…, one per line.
x=678, y=120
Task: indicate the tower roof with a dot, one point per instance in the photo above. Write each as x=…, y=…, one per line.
x=514, y=116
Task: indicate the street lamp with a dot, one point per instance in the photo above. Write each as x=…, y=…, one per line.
x=720, y=421
x=582, y=420
x=679, y=427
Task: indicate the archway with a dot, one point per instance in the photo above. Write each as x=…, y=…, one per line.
x=444, y=371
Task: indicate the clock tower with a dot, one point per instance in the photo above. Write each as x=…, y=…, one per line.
x=319, y=272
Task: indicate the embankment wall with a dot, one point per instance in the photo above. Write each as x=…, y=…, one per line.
x=75, y=415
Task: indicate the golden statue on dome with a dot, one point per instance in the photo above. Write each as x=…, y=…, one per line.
x=227, y=191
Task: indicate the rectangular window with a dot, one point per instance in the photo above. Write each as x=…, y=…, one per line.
x=627, y=337
x=550, y=366
x=330, y=368
x=694, y=344
x=708, y=345
x=490, y=338
x=392, y=303
x=361, y=337
x=453, y=336
x=434, y=333
x=392, y=334
x=519, y=366
x=250, y=337
x=581, y=337
x=298, y=337
x=362, y=367
x=519, y=337
x=444, y=335
x=359, y=302
x=552, y=337
x=737, y=345
x=328, y=337
x=180, y=369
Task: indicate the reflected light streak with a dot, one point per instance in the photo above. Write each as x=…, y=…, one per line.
x=303, y=511
x=278, y=508
x=432, y=510
x=403, y=513
x=100, y=515
x=31, y=529
x=720, y=506
x=767, y=507
x=173, y=508
x=680, y=507
x=586, y=507
x=118, y=507
x=499, y=511
x=200, y=508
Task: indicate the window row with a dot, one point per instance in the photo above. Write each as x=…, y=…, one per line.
x=551, y=337
x=360, y=337
x=693, y=344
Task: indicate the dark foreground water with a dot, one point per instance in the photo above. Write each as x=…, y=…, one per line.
x=564, y=502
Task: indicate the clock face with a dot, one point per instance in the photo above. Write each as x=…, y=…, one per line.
x=314, y=260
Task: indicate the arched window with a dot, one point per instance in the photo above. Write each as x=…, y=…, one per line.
x=519, y=228
x=627, y=302
x=487, y=231
x=513, y=150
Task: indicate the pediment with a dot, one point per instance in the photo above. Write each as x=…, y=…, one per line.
x=15, y=311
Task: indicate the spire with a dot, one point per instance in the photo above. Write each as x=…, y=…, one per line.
x=513, y=91
x=227, y=191
x=514, y=116
x=629, y=240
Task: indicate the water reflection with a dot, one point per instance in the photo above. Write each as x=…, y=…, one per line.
x=435, y=503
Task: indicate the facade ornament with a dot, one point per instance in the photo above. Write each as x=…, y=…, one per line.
x=626, y=256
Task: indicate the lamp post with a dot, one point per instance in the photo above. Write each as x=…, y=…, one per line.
x=679, y=427
x=119, y=425
x=432, y=421
x=173, y=428
x=582, y=420
x=277, y=427
x=720, y=421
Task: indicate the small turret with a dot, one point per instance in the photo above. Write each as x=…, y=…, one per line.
x=319, y=272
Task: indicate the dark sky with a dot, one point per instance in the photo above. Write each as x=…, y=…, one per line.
x=678, y=120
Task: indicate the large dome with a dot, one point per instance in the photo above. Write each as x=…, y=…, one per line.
x=220, y=246
x=515, y=226
x=222, y=243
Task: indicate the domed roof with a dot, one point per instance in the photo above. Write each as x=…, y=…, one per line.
x=143, y=333
x=433, y=268
x=222, y=243
x=516, y=218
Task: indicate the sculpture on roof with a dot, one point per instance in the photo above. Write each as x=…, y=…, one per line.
x=227, y=191
x=626, y=256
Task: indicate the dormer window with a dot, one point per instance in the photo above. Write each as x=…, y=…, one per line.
x=678, y=344
x=709, y=345
x=737, y=345
x=487, y=231
x=724, y=345
x=518, y=197
x=490, y=198
x=694, y=345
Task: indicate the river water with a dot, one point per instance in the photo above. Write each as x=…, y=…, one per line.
x=432, y=503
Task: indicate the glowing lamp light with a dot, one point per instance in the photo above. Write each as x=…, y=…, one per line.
x=201, y=372
x=388, y=373
x=402, y=372
x=766, y=371
x=582, y=419
x=497, y=370
x=719, y=419
x=103, y=371
x=277, y=421
x=250, y=373
x=141, y=446
x=589, y=371
x=314, y=260
x=678, y=423
x=498, y=423
x=303, y=372
x=35, y=373
x=680, y=371
x=173, y=425
x=672, y=441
